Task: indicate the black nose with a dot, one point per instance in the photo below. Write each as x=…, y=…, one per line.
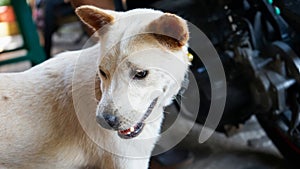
x=108, y=121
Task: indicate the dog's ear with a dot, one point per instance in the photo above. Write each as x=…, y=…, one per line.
x=170, y=30
x=94, y=17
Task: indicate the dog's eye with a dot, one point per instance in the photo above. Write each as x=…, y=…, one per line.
x=103, y=74
x=140, y=74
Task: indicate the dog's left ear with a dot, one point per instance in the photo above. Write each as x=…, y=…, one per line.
x=94, y=17
x=170, y=30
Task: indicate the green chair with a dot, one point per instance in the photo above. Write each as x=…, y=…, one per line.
x=35, y=53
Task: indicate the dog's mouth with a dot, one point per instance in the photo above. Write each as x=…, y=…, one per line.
x=134, y=131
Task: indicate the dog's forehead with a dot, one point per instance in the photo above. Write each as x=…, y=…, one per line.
x=127, y=36
x=142, y=51
x=125, y=47
x=129, y=24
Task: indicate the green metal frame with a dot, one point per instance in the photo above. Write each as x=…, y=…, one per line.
x=35, y=53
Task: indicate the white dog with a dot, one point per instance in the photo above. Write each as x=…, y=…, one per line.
x=143, y=61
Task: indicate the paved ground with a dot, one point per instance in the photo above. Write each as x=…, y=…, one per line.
x=248, y=149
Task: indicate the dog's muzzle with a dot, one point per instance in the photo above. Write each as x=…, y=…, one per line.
x=112, y=122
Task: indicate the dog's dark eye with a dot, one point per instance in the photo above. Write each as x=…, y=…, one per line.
x=140, y=74
x=103, y=74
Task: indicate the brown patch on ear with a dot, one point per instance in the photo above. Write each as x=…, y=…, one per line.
x=169, y=30
x=94, y=17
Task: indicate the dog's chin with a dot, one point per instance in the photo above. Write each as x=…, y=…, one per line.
x=131, y=132
x=134, y=131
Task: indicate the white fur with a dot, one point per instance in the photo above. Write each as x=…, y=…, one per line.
x=38, y=123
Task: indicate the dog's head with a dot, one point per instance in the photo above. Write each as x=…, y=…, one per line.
x=143, y=64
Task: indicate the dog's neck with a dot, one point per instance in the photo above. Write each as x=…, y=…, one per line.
x=57, y=90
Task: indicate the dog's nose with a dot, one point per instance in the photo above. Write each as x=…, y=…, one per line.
x=111, y=120
x=108, y=121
